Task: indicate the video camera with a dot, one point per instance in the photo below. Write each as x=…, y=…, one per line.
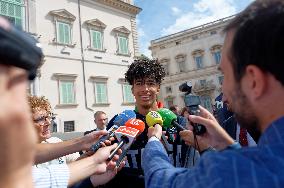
x=20, y=49
x=191, y=102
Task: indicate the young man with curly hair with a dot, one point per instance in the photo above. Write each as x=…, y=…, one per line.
x=145, y=77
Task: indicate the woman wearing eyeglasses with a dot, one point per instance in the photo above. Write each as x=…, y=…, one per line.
x=41, y=115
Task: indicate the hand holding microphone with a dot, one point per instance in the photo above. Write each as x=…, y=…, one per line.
x=153, y=118
x=126, y=134
x=120, y=120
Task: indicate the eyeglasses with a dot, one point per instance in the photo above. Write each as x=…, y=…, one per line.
x=42, y=119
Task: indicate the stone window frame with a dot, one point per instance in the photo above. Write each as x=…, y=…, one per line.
x=181, y=61
x=216, y=48
x=61, y=77
x=165, y=62
x=104, y=80
x=66, y=17
x=122, y=32
x=198, y=53
x=123, y=82
x=96, y=25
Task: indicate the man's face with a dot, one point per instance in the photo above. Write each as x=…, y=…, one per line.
x=145, y=92
x=101, y=121
x=42, y=122
x=234, y=95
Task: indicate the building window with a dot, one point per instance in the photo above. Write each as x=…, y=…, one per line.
x=63, y=33
x=63, y=25
x=194, y=37
x=178, y=42
x=165, y=63
x=220, y=79
x=180, y=59
x=101, y=93
x=96, y=30
x=14, y=11
x=169, y=89
x=198, y=61
x=217, y=57
x=96, y=40
x=166, y=68
x=100, y=90
x=127, y=94
x=198, y=58
x=67, y=91
x=216, y=53
x=213, y=32
x=122, y=45
x=181, y=66
x=202, y=83
x=122, y=34
x=69, y=126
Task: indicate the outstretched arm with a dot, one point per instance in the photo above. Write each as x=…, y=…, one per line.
x=47, y=152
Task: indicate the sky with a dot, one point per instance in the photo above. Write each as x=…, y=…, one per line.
x=163, y=17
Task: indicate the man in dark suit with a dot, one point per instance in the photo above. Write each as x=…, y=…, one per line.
x=101, y=120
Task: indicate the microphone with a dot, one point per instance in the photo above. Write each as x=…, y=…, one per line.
x=110, y=134
x=123, y=117
x=120, y=120
x=169, y=118
x=153, y=118
x=126, y=134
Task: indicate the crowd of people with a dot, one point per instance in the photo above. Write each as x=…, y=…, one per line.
x=243, y=144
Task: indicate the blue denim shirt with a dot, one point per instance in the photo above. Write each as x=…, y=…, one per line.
x=259, y=166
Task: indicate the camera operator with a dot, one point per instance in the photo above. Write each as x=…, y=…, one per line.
x=252, y=64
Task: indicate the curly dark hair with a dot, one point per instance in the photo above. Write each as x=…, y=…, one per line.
x=144, y=68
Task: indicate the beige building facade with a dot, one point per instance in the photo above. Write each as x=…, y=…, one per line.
x=88, y=46
x=192, y=56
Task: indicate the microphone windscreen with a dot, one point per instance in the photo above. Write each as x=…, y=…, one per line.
x=168, y=117
x=123, y=117
x=153, y=118
x=136, y=124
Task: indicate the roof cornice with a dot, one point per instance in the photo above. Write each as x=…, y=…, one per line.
x=120, y=5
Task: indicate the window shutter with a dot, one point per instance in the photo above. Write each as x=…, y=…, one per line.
x=67, y=93
x=97, y=40
x=60, y=32
x=64, y=93
x=66, y=34
x=101, y=94
x=126, y=46
x=13, y=11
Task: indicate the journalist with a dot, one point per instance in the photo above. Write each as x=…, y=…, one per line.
x=252, y=64
x=19, y=59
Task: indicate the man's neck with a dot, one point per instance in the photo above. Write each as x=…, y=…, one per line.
x=98, y=128
x=271, y=108
x=144, y=111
